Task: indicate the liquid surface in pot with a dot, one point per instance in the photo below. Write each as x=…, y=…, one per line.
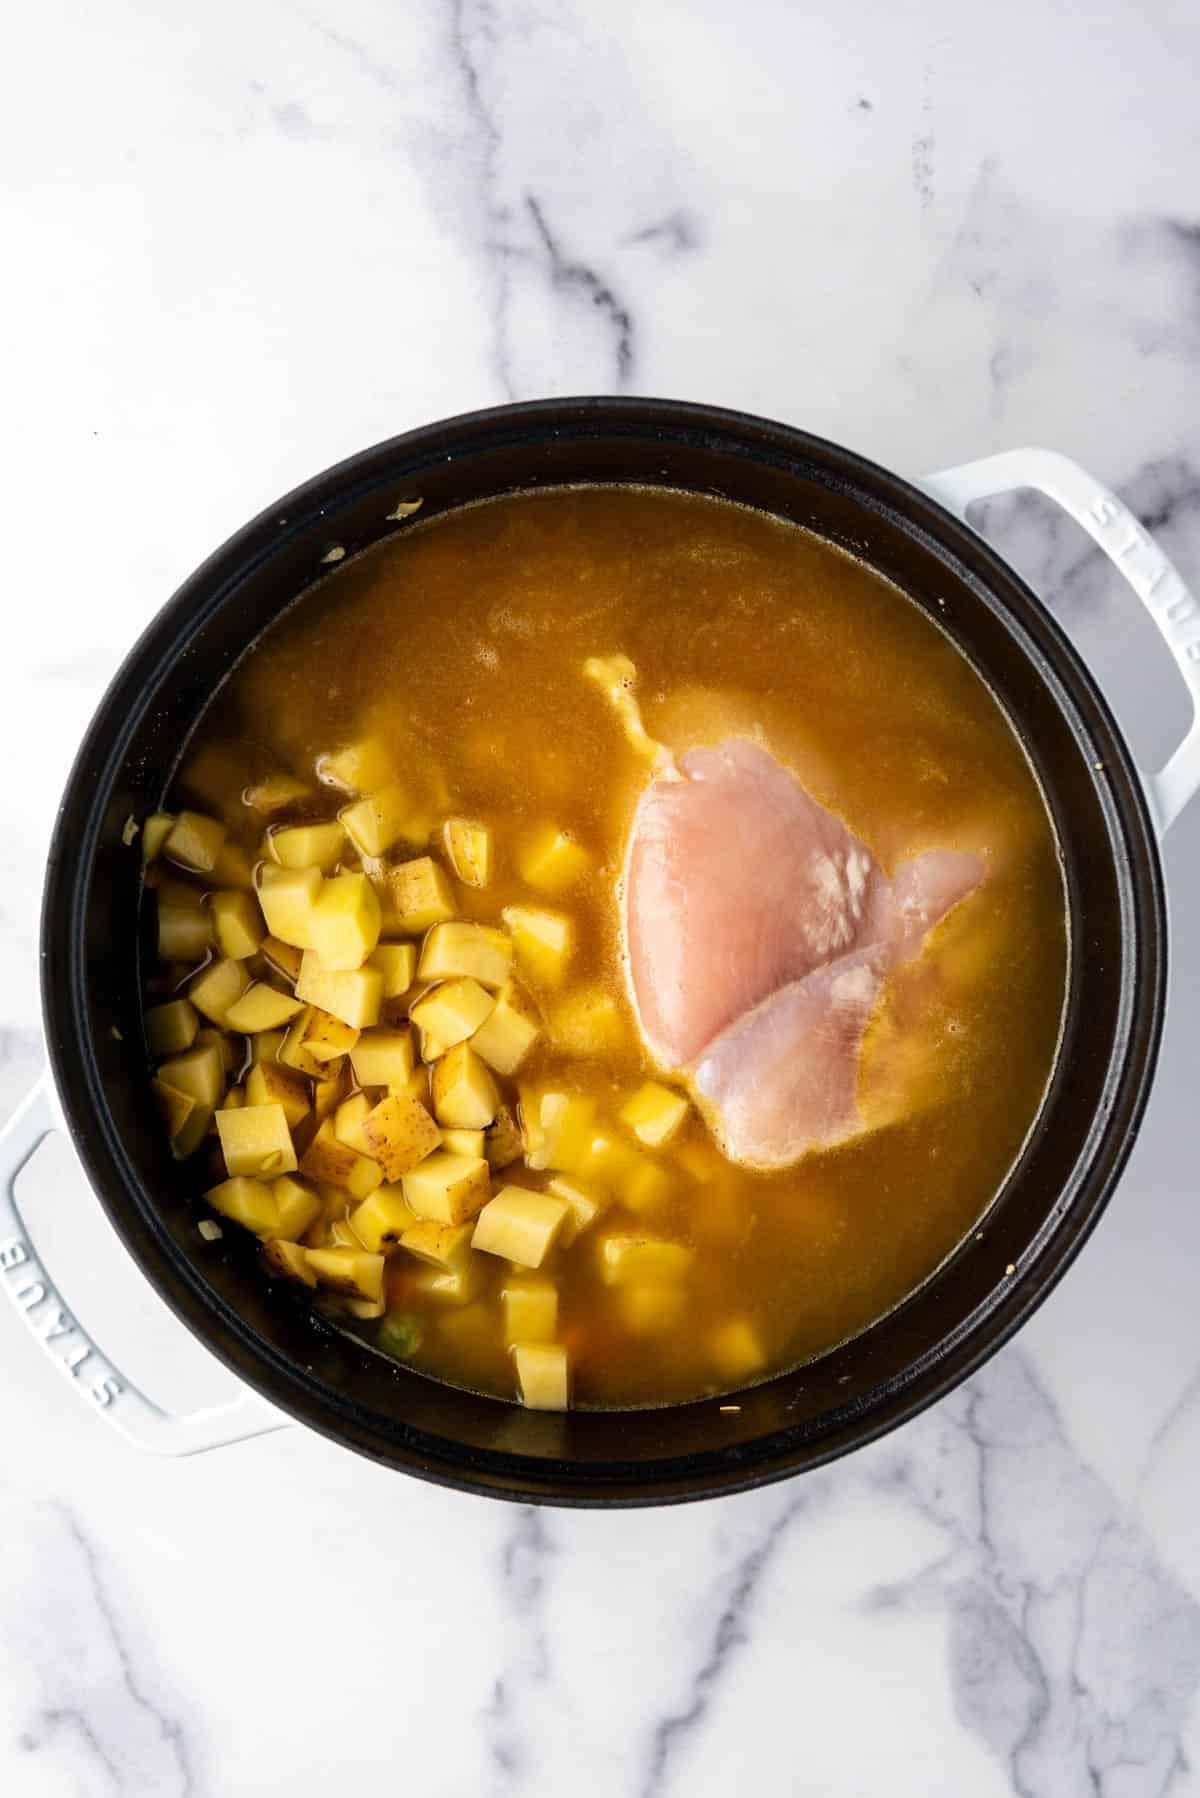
x=444, y=671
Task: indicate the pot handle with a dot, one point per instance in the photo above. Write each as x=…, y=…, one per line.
x=1154, y=578
x=61, y=1338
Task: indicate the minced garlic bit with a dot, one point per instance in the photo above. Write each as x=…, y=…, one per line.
x=335, y=554
x=210, y=1231
x=731, y=1407
x=129, y=830
x=405, y=508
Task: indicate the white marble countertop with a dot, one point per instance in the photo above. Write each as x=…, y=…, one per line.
x=245, y=239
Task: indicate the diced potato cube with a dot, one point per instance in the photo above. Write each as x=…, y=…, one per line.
x=256, y=1141
x=543, y=941
x=589, y=1022
x=655, y=1114
x=354, y=995
x=194, y=842
x=171, y=1027
x=266, y=1044
x=288, y=1259
x=261, y=1007
x=223, y=1044
x=234, y=1099
x=188, y=1121
x=297, y=1206
x=468, y=850
x=238, y=924
x=348, y=1122
x=155, y=831
x=334, y=1163
x=383, y=1057
x=464, y=1093
x=530, y=1310
x=543, y=1375
x=328, y=1038
x=199, y=1072
x=184, y=932
x=330, y=1089
x=286, y=897
x=737, y=1351
x=345, y=923
x=421, y=895
x=584, y=1207
x=275, y=793
x=285, y=958
x=382, y=1219
x=457, y=1286
x=502, y=1140
x=464, y=1142
x=307, y=846
x=551, y=859
x=446, y=1246
x=294, y=1052
x=214, y=773
x=508, y=1032
x=452, y=1012
x=397, y=963
x=520, y=1225
x=400, y=1133
x=217, y=987
x=360, y=767
x=647, y=1187
x=643, y=1261
x=353, y=1271
x=233, y=869
x=373, y=824
x=246, y=1201
x=566, y=1130
x=608, y=1161
x=268, y=1083
x=447, y=1188
x=183, y=893
x=475, y=950
x=650, y=1310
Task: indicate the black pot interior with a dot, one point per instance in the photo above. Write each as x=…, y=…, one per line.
x=794, y=1420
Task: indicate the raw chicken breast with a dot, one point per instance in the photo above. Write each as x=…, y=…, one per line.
x=759, y=931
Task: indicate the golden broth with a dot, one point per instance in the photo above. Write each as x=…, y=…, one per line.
x=460, y=642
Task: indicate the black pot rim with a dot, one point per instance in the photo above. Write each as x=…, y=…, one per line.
x=722, y=1471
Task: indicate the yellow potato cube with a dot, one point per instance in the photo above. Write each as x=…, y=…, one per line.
x=551, y=859
x=543, y=941
x=464, y=1093
x=508, y=1032
x=643, y=1261
x=297, y=1205
x=650, y=1310
x=397, y=964
x=194, y=842
x=447, y=1188
x=354, y=995
x=184, y=932
x=171, y=1027
x=502, y=1140
x=284, y=958
x=348, y=1122
x=543, y=1375
x=261, y=1007
x=286, y=897
x=464, y=1142
x=233, y=868
x=246, y=1201
x=360, y=767
x=400, y=1133
x=281, y=1256
x=474, y=950
x=364, y=1308
x=421, y=896
x=646, y=1188
x=334, y=1163
x=256, y=1141
x=345, y=924
x=188, y=1121
x=566, y=1129
x=468, y=850
x=452, y=1012
x=373, y=824
x=295, y=1054
x=611, y=1163
x=447, y=1246
x=223, y=1044
x=268, y=1083
x=315, y=1040
x=199, y=1072
x=447, y=1286
x=520, y=1225
x=530, y=1310
x=381, y=1220
x=238, y=924
x=155, y=831
x=266, y=1044
x=353, y=1271
x=584, y=1206
x=383, y=1057
x=329, y=1090
x=307, y=846
x=275, y=793
x=655, y=1114
x=589, y=1022
x=234, y=1099
x=217, y=987
x=736, y=1349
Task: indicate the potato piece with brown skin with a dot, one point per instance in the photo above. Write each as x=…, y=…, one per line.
x=335, y=1163
x=284, y=958
x=382, y=1218
x=267, y=1083
x=469, y=850
x=503, y=1142
x=401, y=1134
x=353, y=1271
x=421, y=895
x=447, y=1246
x=289, y=1260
